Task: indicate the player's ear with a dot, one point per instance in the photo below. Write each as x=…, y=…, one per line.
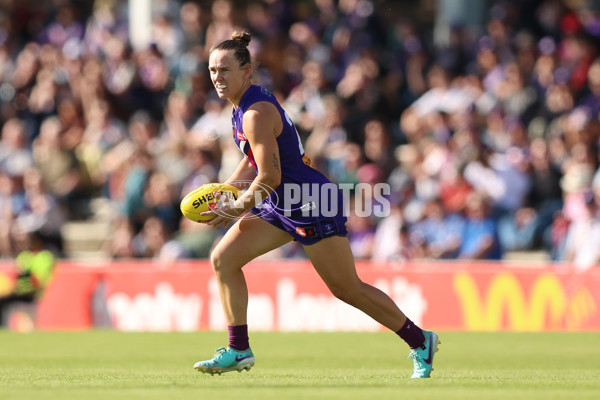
x=248, y=71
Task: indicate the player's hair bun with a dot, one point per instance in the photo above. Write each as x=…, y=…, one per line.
x=243, y=37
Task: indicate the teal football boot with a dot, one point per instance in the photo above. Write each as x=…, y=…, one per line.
x=227, y=360
x=423, y=356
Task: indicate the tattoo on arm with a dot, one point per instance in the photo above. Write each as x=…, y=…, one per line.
x=276, y=163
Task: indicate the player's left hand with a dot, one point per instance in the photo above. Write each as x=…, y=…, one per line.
x=226, y=212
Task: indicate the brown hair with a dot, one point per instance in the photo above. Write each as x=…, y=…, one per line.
x=237, y=45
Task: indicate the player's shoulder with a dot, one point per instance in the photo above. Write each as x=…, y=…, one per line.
x=254, y=95
x=260, y=116
x=260, y=110
x=262, y=107
x=260, y=94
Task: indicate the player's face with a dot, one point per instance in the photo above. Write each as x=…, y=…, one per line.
x=229, y=79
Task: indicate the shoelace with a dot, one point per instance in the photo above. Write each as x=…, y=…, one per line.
x=417, y=359
x=219, y=351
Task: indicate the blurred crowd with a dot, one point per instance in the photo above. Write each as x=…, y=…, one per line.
x=489, y=139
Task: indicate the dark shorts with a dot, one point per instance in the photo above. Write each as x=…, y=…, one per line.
x=306, y=230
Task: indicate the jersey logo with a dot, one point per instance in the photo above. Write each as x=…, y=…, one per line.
x=250, y=157
x=307, y=160
x=239, y=135
x=265, y=91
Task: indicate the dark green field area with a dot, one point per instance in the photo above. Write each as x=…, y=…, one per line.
x=116, y=365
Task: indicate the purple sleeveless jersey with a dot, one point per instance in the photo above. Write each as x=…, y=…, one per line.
x=299, y=205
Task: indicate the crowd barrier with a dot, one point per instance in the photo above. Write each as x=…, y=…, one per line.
x=289, y=296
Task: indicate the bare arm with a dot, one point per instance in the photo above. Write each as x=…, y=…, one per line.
x=243, y=175
x=262, y=124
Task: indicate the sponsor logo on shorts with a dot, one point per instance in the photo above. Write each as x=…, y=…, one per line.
x=328, y=228
x=306, y=232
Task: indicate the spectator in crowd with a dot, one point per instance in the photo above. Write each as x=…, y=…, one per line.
x=325, y=144
x=15, y=152
x=155, y=241
x=543, y=201
x=377, y=145
x=12, y=202
x=387, y=244
x=305, y=103
x=454, y=189
x=583, y=236
x=61, y=170
x=120, y=244
x=591, y=100
x=480, y=236
x=193, y=25
x=441, y=234
x=221, y=25
x=41, y=214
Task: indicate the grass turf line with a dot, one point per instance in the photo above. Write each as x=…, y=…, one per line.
x=116, y=365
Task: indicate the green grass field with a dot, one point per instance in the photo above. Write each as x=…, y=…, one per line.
x=115, y=365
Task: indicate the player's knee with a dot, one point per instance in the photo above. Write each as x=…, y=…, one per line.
x=216, y=260
x=350, y=294
x=221, y=263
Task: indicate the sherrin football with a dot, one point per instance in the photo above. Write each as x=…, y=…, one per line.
x=204, y=199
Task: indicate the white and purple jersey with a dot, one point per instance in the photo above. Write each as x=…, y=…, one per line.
x=280, y=208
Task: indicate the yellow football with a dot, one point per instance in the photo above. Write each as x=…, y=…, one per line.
x=204, y=199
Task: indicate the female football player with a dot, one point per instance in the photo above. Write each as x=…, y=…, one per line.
x=276, y=167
